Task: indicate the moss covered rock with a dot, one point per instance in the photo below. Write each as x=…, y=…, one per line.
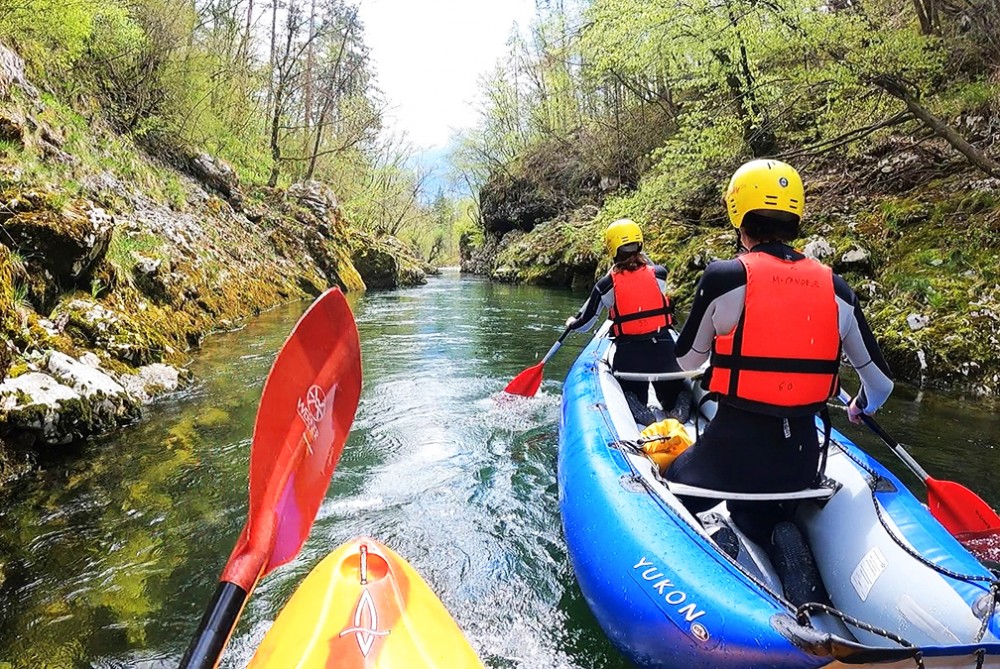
x=125, y=337
x=9, y=322
x=558, y=253
x=37, y=405
x=385, y=262
x=64, y=239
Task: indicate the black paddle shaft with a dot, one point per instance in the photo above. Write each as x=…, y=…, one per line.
x=215, y=627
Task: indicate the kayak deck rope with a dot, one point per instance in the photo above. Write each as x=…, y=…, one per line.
x=802, y=617
x=992, y=580
x=802, y=612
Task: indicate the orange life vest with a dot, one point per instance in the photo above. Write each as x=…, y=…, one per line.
x=640, y=309
x=783, y=356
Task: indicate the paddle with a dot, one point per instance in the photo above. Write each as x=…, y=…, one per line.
x=305, y=413
x=529, y=381
x=956, y=507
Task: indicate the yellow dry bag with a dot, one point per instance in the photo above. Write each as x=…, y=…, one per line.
x=664, y=441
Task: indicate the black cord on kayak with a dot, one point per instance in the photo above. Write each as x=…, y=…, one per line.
x=802, y=617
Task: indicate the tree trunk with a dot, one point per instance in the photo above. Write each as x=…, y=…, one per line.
x=274, y=52
x=899, y=89
x=245, y=46
x=308, y=94
x=275, y=144
x=927, y=14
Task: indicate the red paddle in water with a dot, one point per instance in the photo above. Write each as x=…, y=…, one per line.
x=529, y=381
x=306, y=410
x=961, y=511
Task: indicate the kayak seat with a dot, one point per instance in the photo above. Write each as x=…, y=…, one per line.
x=827, y=489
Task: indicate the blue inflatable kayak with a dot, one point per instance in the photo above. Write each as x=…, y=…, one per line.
x=902, y=591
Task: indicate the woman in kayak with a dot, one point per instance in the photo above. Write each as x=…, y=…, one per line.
x=774, y=323
x=634, y=292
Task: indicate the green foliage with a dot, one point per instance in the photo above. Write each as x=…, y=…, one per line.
x=52, y=35
x=124, y=249
x=727, y=80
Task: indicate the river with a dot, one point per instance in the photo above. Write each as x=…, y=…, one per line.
x=109, y=555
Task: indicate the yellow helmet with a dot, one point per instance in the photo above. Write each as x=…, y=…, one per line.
x=621, y=232
x=764, y=185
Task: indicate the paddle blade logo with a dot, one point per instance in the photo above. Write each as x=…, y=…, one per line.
x=311, y=410
x=365, y=628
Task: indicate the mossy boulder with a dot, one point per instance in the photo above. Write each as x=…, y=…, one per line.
x=66, y=239
x=9, y=321
x=215, y=173
x=152, y=380
x=513, y=202
x=385, y=262
x=37, y=406
x=555, y=253
x=125, y=337
x=108, y=402
x=320, y=199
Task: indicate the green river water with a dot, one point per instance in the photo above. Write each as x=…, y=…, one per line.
x=108, y=557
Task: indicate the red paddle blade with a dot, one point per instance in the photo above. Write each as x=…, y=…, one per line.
x=305, y=415
x=959, y=509
x=527, y=382
x=984, y=545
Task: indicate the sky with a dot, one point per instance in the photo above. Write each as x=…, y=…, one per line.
x=429, y=55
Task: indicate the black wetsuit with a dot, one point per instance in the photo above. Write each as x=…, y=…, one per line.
x=747, y=451
x=652, y=355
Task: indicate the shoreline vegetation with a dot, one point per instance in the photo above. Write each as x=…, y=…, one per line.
x=890, y=110
x=169, y=169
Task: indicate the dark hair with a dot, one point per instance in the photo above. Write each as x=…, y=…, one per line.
x=766, y=225
x=628, y=262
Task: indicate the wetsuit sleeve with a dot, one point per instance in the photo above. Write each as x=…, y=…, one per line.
x=861, y=349
x=661, y=277
x=603, y=295
x=718, y=305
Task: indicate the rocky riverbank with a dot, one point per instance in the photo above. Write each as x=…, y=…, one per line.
x=115, y=262
x=914, y=229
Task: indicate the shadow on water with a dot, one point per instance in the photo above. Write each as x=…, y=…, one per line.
x=108, y=558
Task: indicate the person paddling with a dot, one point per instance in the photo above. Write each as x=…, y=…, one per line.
x=773, y=324
x=634, y=292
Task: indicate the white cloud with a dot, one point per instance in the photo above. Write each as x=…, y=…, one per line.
x=429, y=55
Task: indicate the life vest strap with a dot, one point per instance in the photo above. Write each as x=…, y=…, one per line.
x=638, y=315
x=763, y=364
